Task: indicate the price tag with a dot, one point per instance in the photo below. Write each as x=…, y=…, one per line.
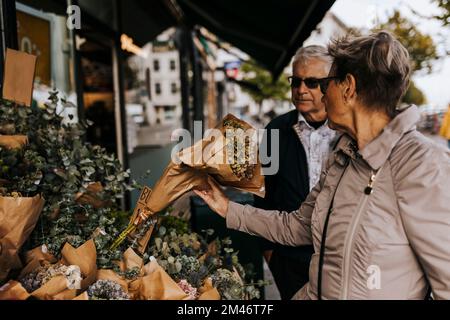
x=140, y=209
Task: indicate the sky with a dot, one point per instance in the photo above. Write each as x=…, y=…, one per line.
x=364, y=13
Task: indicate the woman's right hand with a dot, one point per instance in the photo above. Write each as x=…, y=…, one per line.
x=214, y=197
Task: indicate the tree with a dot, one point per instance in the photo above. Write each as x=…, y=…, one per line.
x=263, y=85
x=444, y=5
x=414, y=95
x=420, y=46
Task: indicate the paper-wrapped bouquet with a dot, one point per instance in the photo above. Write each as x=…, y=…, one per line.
x=228, y=154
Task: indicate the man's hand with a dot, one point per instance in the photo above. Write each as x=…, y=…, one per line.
x=214, y=197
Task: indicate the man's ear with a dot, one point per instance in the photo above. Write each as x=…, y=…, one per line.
x=349, y=92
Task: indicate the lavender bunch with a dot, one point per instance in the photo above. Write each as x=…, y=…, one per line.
x=106, y=290
x=36, y=279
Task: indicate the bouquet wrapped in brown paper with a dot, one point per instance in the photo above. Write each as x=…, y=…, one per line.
x=131, y=265
x=150, y=282
x=46, y=280
x=18, y=217
x=156, y=284
x=85, y=256
x=110, y=285
x=13, y=142
x=91, y=196
x=228, y=154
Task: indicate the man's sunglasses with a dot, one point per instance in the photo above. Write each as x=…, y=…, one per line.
x=311, y=83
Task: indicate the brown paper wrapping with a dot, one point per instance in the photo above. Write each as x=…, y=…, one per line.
x=13, y=290
x=13, y=142
x=134, y=289
x=52, y=288
x=68, y=294
x=208, y=292
x=157, y=285
x=83, y=296
x=18, y=76
x=39, y=255
x=91, y=197
x=131, y=260
x=18, y=217
x=143, y=242
x=106, y=274
x=84, y=257
x=211, y=251
x=206, y=157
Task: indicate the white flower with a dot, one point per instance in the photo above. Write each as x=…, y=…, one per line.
x=73, y=277
x=188, y=289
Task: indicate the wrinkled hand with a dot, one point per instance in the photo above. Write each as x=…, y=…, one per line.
x=214, y=197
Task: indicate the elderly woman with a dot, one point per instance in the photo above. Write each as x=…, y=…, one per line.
x=379, y=218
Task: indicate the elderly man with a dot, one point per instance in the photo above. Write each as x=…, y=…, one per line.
x=305, y=141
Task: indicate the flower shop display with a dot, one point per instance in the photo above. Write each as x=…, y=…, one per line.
x=227, y=155
x=59, y=216
x=18, y=216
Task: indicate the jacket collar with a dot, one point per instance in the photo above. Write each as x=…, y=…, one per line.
x=379, y=149
x=344, y=149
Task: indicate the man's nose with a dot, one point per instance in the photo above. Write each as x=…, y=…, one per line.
x=302, y=89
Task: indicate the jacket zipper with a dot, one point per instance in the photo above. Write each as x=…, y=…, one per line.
x=348, y=245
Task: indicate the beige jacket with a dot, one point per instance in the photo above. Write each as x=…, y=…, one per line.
x=391, y=244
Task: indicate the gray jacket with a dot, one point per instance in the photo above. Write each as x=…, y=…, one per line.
x=390, y=244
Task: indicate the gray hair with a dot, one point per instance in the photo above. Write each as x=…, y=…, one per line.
x=304, y=54
x=380, y=65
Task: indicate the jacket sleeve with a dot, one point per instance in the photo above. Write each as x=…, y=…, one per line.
x=422, y=185
x=292, y=229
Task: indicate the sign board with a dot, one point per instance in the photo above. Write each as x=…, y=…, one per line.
x=19, y=77
x=33, y=35
x=141, y=205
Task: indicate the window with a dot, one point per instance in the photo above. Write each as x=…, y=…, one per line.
x=156, y=65
x=158, y=88
x=172, y=65
x=173, y=87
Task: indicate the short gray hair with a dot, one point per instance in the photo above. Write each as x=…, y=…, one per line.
x=380, y=65
x=304, y=54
